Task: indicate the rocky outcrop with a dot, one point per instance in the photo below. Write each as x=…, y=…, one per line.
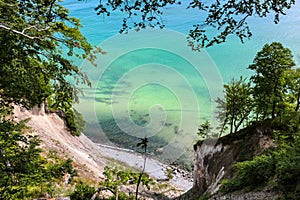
x=214, y=159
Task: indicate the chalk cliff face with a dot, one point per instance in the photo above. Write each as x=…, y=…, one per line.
x=214, y=159
x=55, y=137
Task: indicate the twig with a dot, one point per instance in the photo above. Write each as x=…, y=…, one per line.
x=144, y=144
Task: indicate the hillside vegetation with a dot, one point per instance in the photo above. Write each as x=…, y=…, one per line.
x=269, y=99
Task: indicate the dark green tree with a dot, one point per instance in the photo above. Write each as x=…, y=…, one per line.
x=270, y=66
x=33, y=35
x=205, y=129
x=293, y=83
x=227, y=17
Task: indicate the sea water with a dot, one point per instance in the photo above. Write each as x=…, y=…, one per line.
x=151, y=84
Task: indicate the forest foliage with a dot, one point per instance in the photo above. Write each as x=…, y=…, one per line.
x=270, y=95
x=35, y=34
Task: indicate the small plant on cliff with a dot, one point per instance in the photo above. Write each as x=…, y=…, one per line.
x=205, y=129
x=75, y=121
x=83, y=191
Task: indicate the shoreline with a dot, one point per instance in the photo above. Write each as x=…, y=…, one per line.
x=154, y=168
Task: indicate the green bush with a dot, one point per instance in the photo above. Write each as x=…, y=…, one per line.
x=115, y=177
x=59, y=168
x=83, y=191
x=288, y=166
x=21, y=165
x=75, y=121
x=251, y=174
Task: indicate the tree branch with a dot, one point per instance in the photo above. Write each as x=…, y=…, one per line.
x=22, y=33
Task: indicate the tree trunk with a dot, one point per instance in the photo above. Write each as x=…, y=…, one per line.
x=298, y=102
x=273, y=109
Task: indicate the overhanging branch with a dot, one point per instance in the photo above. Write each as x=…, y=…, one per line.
x=23, y=32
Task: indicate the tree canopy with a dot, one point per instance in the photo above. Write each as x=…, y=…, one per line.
x=227, y=17
x=33, y=34
x=273, y=90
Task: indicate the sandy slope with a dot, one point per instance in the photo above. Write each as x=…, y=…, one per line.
x=89, y=157
x=54, y=135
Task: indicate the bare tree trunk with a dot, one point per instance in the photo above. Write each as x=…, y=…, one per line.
x=96, y=193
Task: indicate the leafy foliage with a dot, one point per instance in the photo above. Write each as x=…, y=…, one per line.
x=59, y=168
x=204, y=129
x=21, y=165
x=293, y=85
x=114, y=178
x=251, y=174
x=35, y=33
x=83, y=191
x=237, y=105
x=226, y=17
x=75, y=121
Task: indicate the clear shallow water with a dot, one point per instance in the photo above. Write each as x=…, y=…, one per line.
x=125, y=96
x=230, y=57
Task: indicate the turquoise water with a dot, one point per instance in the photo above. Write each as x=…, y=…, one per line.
x=151, y=84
